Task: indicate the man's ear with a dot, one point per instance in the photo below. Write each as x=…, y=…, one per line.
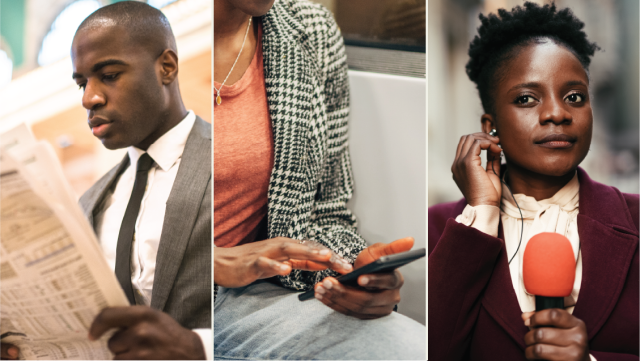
x=169, y=66
x=488, y=123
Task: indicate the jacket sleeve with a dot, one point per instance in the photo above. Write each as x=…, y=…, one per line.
x=611, y=356
x=330, y=222
x=461, y=261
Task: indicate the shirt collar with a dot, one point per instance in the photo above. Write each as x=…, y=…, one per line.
x=566, y=198
x=169, y=147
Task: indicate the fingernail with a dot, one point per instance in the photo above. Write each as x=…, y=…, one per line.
x=327, y=284
x=364, y=280
x=284, y=267
x=325, y=252
x=320, y=290
x=527, y=322
x=13, y=352
x=347, y=265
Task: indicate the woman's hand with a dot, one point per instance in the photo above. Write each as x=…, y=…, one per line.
x=241, y=265
x=380, y=292
x=555, y=335
x=479, y=186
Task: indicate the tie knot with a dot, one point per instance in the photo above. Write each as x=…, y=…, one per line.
x=144, y=163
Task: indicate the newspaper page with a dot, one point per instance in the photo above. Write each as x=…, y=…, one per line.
x=54, y=279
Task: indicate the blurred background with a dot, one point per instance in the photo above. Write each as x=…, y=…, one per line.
x=385, y=44
x=35, y=75
x=455, y=109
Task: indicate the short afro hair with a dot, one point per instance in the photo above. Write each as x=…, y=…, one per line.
x=498, y=37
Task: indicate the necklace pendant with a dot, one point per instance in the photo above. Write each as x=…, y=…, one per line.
x=218, y=99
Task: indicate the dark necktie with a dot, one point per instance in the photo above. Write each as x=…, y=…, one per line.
x=128, y=227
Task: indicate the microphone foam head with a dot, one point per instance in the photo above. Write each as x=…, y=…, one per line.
x=549, y=266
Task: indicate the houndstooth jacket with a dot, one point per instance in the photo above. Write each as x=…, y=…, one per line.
x=305, y=72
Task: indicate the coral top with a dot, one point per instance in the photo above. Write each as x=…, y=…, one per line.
x=242, y=156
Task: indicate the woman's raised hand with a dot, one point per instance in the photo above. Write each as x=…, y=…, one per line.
x=478, y=185
x=241, y=265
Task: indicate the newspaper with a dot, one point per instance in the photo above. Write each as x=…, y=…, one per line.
x=54, y=279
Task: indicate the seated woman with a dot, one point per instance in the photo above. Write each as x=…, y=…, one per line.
x=282, y=177
x=531, y=69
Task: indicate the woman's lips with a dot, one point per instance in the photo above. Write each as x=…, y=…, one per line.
x=557, y=144
x=557, y=141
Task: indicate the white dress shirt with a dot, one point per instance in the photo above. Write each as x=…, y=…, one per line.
x=166, y=153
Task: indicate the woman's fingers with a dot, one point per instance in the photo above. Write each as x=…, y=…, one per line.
x=308, y=251
x=382, y=281
x=266, y=267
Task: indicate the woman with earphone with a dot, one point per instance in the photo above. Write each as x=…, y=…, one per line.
x=530, y=66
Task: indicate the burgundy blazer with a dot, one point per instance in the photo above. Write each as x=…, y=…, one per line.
x=473, y=309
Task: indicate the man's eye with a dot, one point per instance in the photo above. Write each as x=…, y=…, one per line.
x=525, y=99
x=575, y=98
x=109, y=76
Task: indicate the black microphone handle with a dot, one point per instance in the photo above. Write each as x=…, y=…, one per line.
x=544, y=303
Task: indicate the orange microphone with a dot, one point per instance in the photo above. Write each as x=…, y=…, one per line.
x=549, y=269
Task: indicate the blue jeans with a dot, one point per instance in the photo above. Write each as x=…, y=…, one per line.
x=266, y=321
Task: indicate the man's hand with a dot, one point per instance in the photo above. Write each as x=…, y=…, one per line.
x=380, y=292
x=9, y=352
x=241, y=265
x=555, y=335
x=146, y=334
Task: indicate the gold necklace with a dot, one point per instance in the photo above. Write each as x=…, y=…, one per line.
x=218, y=98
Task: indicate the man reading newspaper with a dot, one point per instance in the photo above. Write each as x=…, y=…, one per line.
x=152, y=212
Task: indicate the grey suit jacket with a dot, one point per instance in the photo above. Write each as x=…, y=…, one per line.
x=182, y=280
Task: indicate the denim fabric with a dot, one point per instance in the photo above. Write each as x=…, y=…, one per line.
x=266, y=321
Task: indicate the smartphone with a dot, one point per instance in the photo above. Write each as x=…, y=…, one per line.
x=382, y=264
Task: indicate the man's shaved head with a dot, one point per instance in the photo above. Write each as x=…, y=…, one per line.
x=146, y=26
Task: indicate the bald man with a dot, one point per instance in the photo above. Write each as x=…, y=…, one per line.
x=152, y=212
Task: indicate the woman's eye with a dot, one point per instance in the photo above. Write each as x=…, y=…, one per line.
x=525, y=99
x=575, y=98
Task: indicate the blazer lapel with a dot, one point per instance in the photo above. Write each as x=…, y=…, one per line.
x=291, y=81
x=608, y=240
x=93, y=198
x=500, y=298
x=182, y=210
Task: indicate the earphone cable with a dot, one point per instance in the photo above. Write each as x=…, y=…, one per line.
x=516, y=202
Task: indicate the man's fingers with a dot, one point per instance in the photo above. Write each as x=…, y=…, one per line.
x=554, y=317
x=119, y=342
x=386, y=281
x=9, y=351
x=117, y=317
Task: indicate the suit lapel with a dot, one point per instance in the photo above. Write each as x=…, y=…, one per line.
x=94, y=197
x=182, y=210
x=608, y=242
x=291, y=81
